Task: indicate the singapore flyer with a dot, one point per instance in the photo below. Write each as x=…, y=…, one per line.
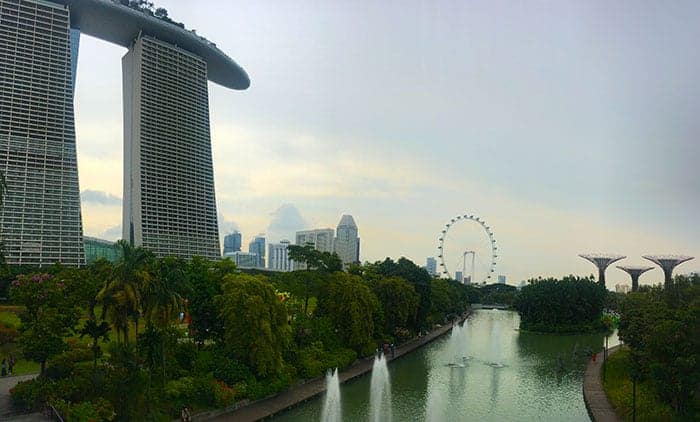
x=467, y=250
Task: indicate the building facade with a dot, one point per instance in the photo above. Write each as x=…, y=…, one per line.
x=40, y=221
x=169, y=205
x=232, y=242
x=322, y=239
x=501, y=279
x=459, y=277
x=431, y=266
x=347, y=242
x=243, y=259
x=278, y=256
x=98, y=248
x=257, y=246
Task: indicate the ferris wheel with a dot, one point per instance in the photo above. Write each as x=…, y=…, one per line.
x=468, y=219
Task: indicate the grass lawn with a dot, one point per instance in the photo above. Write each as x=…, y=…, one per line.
x=22, y=366
x=618, y=388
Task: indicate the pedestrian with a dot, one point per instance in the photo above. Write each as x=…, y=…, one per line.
x=11, y=364
x=185, y=414
x=393, y=350
x=4, y=367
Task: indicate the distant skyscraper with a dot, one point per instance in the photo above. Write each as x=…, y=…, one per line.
x=347, y=243
x=243, y=259
x=232, y=242
x=278, y=256
x=458, y=276
x=501, y=279
x=322, y=239
x=257, y=246
x=169, y=204
x=431, y=265
x=40, y=221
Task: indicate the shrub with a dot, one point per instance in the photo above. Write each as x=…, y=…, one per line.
x=8, y=334
x=224, y=395
x=63, y=365
x=33, y=394
x=86, y=411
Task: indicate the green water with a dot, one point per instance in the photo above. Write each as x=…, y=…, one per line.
x=541, y=379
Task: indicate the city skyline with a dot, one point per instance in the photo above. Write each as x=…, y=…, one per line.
x=304, y=135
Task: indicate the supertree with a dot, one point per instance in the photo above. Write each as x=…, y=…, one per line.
x=668, y=263
x=635, y=271
x=602, y=261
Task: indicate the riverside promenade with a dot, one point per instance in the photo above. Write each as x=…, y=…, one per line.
x=599, y=408
x=271, y=406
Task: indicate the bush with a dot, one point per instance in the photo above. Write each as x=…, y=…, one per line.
x=8, y=334
x=86, y=411
x=33, y=394
x=202, y=391
x=63, y=365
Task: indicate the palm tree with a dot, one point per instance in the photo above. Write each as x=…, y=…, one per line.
x=96, y=332
x=121, y=297
x=161, y=302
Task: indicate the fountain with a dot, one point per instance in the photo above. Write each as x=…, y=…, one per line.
x=331, y=405
x=380, y=392
x=495, y=346
x=457, y=347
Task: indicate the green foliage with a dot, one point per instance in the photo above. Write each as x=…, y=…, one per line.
x=205, y=279
x=49, y=315
x=315, y=259
x=497, y=293
x=413, y=274
x=31, y=395
x=662, y=330
x=85, y=411
x=618, y=389
x=399, y=301
x=255, y=322
x=315, y=360
x=572, y=304
x=8, y=334
x=350, y=305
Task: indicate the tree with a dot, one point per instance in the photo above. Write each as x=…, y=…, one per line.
x=351, y=306
x=571, y=304
x=48, y=318
x=418, y=277
x=121, y=296
x=96, y=332
x=255, y=322
x=204, y=278
x=315, y=259
x=399, y=301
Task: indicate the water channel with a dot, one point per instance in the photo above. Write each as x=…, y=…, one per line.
x=485, y=371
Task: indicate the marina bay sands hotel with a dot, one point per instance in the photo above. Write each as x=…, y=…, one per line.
x=169, y=205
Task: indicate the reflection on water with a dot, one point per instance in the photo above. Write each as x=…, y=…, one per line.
x=538, y=377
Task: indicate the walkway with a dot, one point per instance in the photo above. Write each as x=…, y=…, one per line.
x=599, y=408
x=272, y=405
x=7, y=412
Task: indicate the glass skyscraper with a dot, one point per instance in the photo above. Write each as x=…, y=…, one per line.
x=232, y=242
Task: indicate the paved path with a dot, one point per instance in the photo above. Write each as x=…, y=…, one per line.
x=271, y=406
x=599, y=408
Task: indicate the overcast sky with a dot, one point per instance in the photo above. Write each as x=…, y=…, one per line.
x=568, y=126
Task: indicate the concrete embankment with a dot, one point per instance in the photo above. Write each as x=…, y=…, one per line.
x=597, y=403
x=271, y=406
